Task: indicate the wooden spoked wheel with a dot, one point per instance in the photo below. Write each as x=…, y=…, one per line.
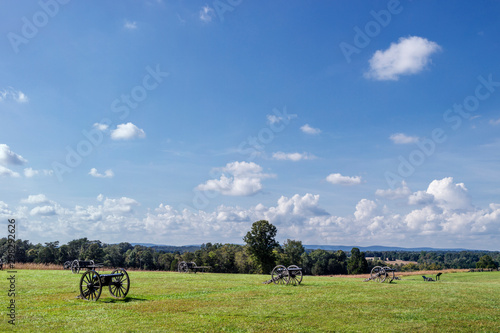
x=389, y=272
x=183, y=267
x=295, y=274
x=378, y=274
x=119, y=285
x=90, y=286
x=279, y=275
x=75, y=267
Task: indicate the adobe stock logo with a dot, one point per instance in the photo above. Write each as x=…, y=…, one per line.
x=31, y=27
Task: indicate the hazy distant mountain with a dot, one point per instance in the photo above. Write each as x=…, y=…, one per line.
x=379, y=248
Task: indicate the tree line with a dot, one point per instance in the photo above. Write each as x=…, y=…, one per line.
x=259, y=255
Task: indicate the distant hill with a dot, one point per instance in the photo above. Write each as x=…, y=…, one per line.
x=373, y=248
x=379, y=248
x=170, y=248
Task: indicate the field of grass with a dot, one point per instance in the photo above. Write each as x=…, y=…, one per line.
x=169, y=302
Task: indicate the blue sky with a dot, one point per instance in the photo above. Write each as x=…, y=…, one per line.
x=182, y=122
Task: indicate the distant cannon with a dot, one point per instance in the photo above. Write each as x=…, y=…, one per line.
x=381, y=274
x=286, y=275
x=186, y=267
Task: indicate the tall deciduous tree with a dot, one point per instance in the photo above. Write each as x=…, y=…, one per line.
x=486, y=262
x=357, y=262
x=293, y=251
x=261, y=243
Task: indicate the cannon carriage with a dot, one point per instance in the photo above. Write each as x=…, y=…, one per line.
x=91, y=284
x=186, y=267
x=286, y=275
x=381, y=274
x=78, y=265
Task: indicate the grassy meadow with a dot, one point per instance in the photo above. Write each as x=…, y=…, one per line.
x=173, y=302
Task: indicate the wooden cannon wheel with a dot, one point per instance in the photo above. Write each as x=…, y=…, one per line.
x=90, y=285
x=279, y=275
x=295, y=274
x=378, y=274
x=183, y=267
x=119, y=285
x=75, y=266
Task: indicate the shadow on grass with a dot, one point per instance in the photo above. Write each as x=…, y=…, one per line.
x=124, y=300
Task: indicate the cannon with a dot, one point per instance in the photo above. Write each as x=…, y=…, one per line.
x=286, y=275
x=381, y=274
x=77, y=265
x=91, y=284
x=185, y=267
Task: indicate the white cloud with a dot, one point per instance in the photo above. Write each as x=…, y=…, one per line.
x=130, y=25
x=100, y=127
x=449, y=195
x=310, y=130
x=7, y=172
x=420, y=198
x=242, y=179
x=274, y=119
x=207, y=13
x=7, y=156
x=107, y=174
x=16, y=95
x=127, y=131
x=122, y=205
x=35, y=199
x=292, y=156
x=43, y=211
x=495, y=122
x=338, y=179
x=365, y=209
x=300, y=217
x=4, y=209
x=401, y=139
x=408, y=56
x=398, y=193
x=30, y=172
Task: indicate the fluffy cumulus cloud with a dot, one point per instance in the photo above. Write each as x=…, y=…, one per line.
x=8, y=172
x=310, y=130
x=292, y=156
x=43, y=211
x=7, y=156
x=237, y=179
x=35, y=199
x=448, y=195
x=107, y=174
x=127, y=131
x=101, y=127
x=303, y=217
x=338, y=179
x=398, y=193
x=30, y=172
x=409, y=55
x=401, y=138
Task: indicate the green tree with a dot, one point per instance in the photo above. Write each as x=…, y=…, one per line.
x=486, y=262
x=357, y=262
x=261, y=243
x=292, y=252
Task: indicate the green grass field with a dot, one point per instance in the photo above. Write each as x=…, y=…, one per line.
x=169, y=302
